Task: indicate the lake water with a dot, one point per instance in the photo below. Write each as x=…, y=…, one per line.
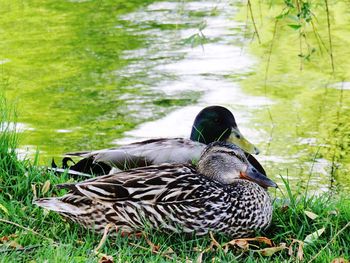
x=89, y=76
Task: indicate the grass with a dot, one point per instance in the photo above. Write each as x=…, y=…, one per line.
x=30, y=234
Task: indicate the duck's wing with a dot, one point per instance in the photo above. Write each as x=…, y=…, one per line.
x=149, y=152
x=174, y=192
x=146, y=183
x=154, y=193
x=143, y=184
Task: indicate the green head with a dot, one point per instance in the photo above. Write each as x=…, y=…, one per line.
x=216, y=123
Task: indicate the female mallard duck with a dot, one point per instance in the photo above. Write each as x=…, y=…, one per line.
x=224, y=193
x=214, y=123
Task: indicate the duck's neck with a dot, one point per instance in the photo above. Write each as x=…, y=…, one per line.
x=197, y=135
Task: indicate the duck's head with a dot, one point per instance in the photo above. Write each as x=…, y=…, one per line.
x=225, y=162
x=216, y=123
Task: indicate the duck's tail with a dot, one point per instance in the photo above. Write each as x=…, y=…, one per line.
x=72, y=173
x=57, y=205
x=78, y=209
x=86, y=167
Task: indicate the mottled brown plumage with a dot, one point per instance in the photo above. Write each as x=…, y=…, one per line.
x=174, y=197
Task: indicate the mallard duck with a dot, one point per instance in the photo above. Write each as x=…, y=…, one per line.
x=213, y=123
x=223, y=193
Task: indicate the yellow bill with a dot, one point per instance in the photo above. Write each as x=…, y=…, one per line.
x=237, y=138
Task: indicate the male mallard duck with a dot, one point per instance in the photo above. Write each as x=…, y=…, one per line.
x=224, y=193
x=214, y=123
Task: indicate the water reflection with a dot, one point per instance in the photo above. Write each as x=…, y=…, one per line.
x=135, y=77
x=199, y=69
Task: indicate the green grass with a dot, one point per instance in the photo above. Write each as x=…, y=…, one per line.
x=37, y=236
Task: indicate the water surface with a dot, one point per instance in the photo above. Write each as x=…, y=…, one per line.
x=89, y=75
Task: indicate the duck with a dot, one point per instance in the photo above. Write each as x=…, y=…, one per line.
x=213, y=123
x=223, y=194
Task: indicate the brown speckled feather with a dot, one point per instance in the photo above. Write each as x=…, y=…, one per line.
x=170, y=197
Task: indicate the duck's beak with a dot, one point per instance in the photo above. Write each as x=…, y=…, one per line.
x=237, y=138
x=254, y=175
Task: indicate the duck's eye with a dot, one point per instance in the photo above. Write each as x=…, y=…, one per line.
x=216, y=120
x=237, y=156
